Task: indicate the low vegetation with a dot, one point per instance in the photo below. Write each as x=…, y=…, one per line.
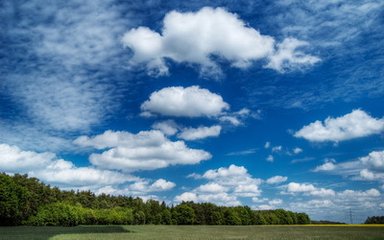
x=27, y=201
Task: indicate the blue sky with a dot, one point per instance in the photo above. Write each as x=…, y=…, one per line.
x=267, y=104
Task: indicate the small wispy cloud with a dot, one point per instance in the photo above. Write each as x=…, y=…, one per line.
x=243, y=152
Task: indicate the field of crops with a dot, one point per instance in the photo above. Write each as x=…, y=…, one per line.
x=142, y=232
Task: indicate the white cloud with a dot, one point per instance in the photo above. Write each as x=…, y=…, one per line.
x=353, y=125
x=276, y=179
x=211, y=188
x=288, y=57
x=368, y=193
x=184, y=102
x=264, y=207
x=315, y=204
x=14, y=159
x=297, y=150
x=199, y=133
x=249, y=190
x=145, y=150
x=145, y=186
x=186, y=197
x=321, y=203
x=193, y=37
x=168, y=127
x=294, y=188
x=323, y=192
x=140, y=188
x=277, y=149
x=162, y=185
x=329, y=165
x=52, y=170
x=374, y=160
x=268, y=204
x=231, y=171
x=222, y=198
x=368, y=168
x=243, y=152
x=315, y=201
x=47, y=167
x=366, y=174
x=224, y=187
x=235, y=177
x=270, y=158
x=230, y=119
x=238, y=118
x=267, y=145
x=275, y=202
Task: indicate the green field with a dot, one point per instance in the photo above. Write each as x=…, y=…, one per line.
x=145, y=232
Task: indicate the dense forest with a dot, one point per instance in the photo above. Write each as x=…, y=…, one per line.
x=27, y=201
x=375, y=220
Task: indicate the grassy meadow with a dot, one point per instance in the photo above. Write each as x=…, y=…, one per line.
x=160, y=232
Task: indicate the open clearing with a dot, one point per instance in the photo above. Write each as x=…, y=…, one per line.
x=160, y=232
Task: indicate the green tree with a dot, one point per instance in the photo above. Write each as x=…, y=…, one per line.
x=184, y=214
x=166, y=217
x=258, y=218
x=303, y=218
x=139, y=217
x=231, y=217
x=14, y=201
x=57, y=214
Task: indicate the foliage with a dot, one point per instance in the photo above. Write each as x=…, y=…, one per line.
x=375, y=220
x=64, y=214
x=25, y=200
x=184, y=214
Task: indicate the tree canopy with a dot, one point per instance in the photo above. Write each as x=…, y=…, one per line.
x=25, y=200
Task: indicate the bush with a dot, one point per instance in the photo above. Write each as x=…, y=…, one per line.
x=64, y=214
x=117, y=215
x=58, y=214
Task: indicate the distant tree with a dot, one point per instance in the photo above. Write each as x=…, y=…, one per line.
x=375, y=220
x=303, y=218
x=283, y=216
x=270, y=217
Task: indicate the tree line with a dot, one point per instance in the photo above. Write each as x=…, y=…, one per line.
x=375, y=220
x=27, y=201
